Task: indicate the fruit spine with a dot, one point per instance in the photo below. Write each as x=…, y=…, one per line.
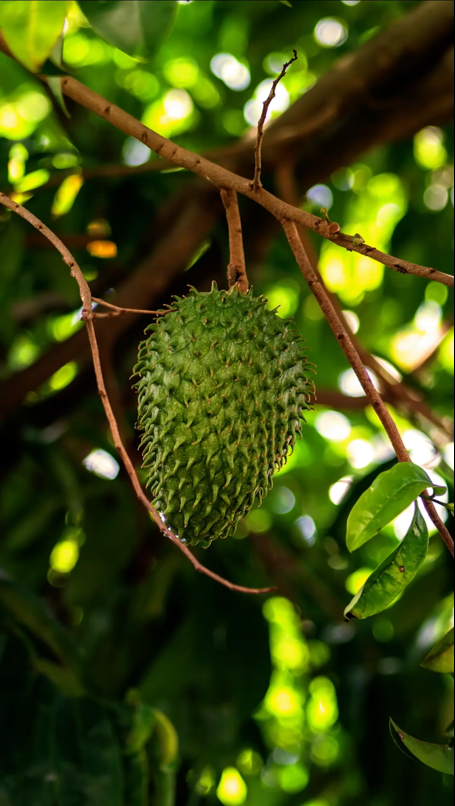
x=223, y=384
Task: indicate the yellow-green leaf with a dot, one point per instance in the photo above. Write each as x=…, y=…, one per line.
x=393, y=576
x=389, y=495
x=441, y=657
x=438, y=757
x=31, y=28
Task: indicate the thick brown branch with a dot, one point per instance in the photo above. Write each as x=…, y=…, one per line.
x=86, y=299
x=261, y=123
x=355, y=361
x=222, y=178
x=236, y=269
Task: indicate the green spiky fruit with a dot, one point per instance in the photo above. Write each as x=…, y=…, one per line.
x=223, y=384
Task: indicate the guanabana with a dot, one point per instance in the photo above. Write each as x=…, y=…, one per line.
x=223, y=384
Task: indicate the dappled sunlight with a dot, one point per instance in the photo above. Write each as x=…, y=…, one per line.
x=373, y=212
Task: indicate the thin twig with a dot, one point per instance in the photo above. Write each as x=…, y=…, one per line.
x=260, y=132
x=355, y=361
x=116, y=311
x=223, y=178
x=88, y=316
x=236, y=268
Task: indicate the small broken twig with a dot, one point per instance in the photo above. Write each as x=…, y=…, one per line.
x=260, y=132
x=116, y=311
x=236, y=268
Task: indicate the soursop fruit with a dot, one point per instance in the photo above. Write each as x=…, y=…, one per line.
x=223, y=384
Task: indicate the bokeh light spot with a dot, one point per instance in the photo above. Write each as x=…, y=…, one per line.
x=360, y=453
x=330, y=33
x=357, y=580
x=282, y=500
x=63, y=377
x=429, y=150
x=253, y=108
x=285, y=296
x=66, y=195
x=333, y=426
x=258, y=521
x=134, y=152
x=232, y=789
x=436, y=197
x=64, y=556
x=102, y=249
x=320, y=196
x=235, y=75
x=307, y=528
x=293, y=778
x=338, y=490
x=102, y=464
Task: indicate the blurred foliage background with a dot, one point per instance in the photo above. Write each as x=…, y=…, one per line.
x=275, y=702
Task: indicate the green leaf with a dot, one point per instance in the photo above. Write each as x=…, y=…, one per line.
x=389, y=495
x=138, y=27
x=441, y=657
x=55, y=86
x=286, y=3
x=397, y=571
x=438, y=757
x=450, y=731
x=31, y=28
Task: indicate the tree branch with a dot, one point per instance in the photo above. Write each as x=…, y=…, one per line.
x=236, y=269
x=223, y=178
x=355, y=361
x=88, y=317
x=397, y=392
x=116, y=311
x=260, y=130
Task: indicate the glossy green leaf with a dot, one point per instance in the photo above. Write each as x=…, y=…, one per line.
x=389, y=495
x=31, y=28
x=397, y=571
x=441, y=658
x=451, y=730
x=138, y=27
x=438, y=757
